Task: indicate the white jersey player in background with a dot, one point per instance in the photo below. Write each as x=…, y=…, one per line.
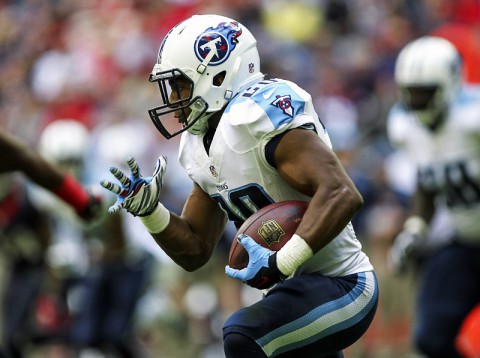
x=437, y=122
x=248, y=142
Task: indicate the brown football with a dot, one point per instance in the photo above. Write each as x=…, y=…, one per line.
x=272, y=227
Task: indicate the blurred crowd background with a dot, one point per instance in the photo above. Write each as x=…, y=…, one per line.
x=107, y=290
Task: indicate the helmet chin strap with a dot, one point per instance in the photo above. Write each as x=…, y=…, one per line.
x=201, y=125
x=430, y=118
x=433, y=116
x=228, y=95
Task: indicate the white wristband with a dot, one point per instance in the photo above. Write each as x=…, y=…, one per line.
x=158, y=220
x=416, y=225
x=295, y=252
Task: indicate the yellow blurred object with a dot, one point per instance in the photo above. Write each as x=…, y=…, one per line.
x=298, y=21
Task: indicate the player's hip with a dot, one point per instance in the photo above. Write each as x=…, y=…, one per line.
x=304, y=311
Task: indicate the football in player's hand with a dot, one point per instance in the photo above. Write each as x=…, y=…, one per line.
x=271, y=227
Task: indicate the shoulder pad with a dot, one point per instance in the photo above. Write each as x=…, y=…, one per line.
x=400, y=126
x=264, y=110
x=466, y=109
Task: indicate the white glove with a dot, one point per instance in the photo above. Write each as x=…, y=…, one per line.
x=138, y=195
x=407, y=244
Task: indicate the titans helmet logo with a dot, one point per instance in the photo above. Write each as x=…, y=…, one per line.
x=217, y=42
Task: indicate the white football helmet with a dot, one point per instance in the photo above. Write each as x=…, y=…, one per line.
x=197, y=50
x=428, y=75
x=64, y=142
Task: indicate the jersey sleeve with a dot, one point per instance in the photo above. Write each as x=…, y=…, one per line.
x=399, y=127
x=266, y=110
x=466, y=110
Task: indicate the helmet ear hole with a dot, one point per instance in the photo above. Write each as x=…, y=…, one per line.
x=219, y=78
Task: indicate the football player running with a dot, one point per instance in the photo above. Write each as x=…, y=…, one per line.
x=247, y=142
x=437, y=121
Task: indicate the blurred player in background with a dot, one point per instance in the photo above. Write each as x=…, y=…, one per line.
x=248, y=142
x=62, y=143
x=99, y=275
x=108, y=294
x=437, y=122
x=29, y=315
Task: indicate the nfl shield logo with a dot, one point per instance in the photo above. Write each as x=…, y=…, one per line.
x=271, y=231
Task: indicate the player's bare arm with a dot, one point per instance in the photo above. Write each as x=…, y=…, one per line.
x=311, y=167
x=423, y=204
x=190, y=239
x=17, y=156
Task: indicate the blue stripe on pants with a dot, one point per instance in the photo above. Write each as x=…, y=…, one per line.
x=306, y=310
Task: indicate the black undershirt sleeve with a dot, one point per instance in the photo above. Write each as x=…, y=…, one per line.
x=272, y=145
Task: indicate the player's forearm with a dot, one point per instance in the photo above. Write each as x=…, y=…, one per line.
x=43, y=173
x=17, y=156
x=329, y=212
x=191, y=238
x=183, y=246
x=423, y=204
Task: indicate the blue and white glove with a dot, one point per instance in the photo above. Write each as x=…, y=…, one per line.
x=136, y=194
x=262, y=271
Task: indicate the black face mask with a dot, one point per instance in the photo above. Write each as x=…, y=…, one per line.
x=419, y=98
x=168, y=81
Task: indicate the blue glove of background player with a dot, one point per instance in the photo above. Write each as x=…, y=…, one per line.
x=262, y=271
x=138, y=195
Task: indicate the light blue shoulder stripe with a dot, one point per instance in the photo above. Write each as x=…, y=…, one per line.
x=278, y=100
x=282, y=105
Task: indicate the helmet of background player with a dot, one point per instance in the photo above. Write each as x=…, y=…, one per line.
x=202, y=50
x=64, y=142
x=428, y=77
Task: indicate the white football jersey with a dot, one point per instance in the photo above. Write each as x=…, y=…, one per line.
x=238, y=176
x=448, y=159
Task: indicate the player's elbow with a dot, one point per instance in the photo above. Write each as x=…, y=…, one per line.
x=190, y=267
x=345, y=197
x=192, y=264
x=193, y=260
x=352, y=197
